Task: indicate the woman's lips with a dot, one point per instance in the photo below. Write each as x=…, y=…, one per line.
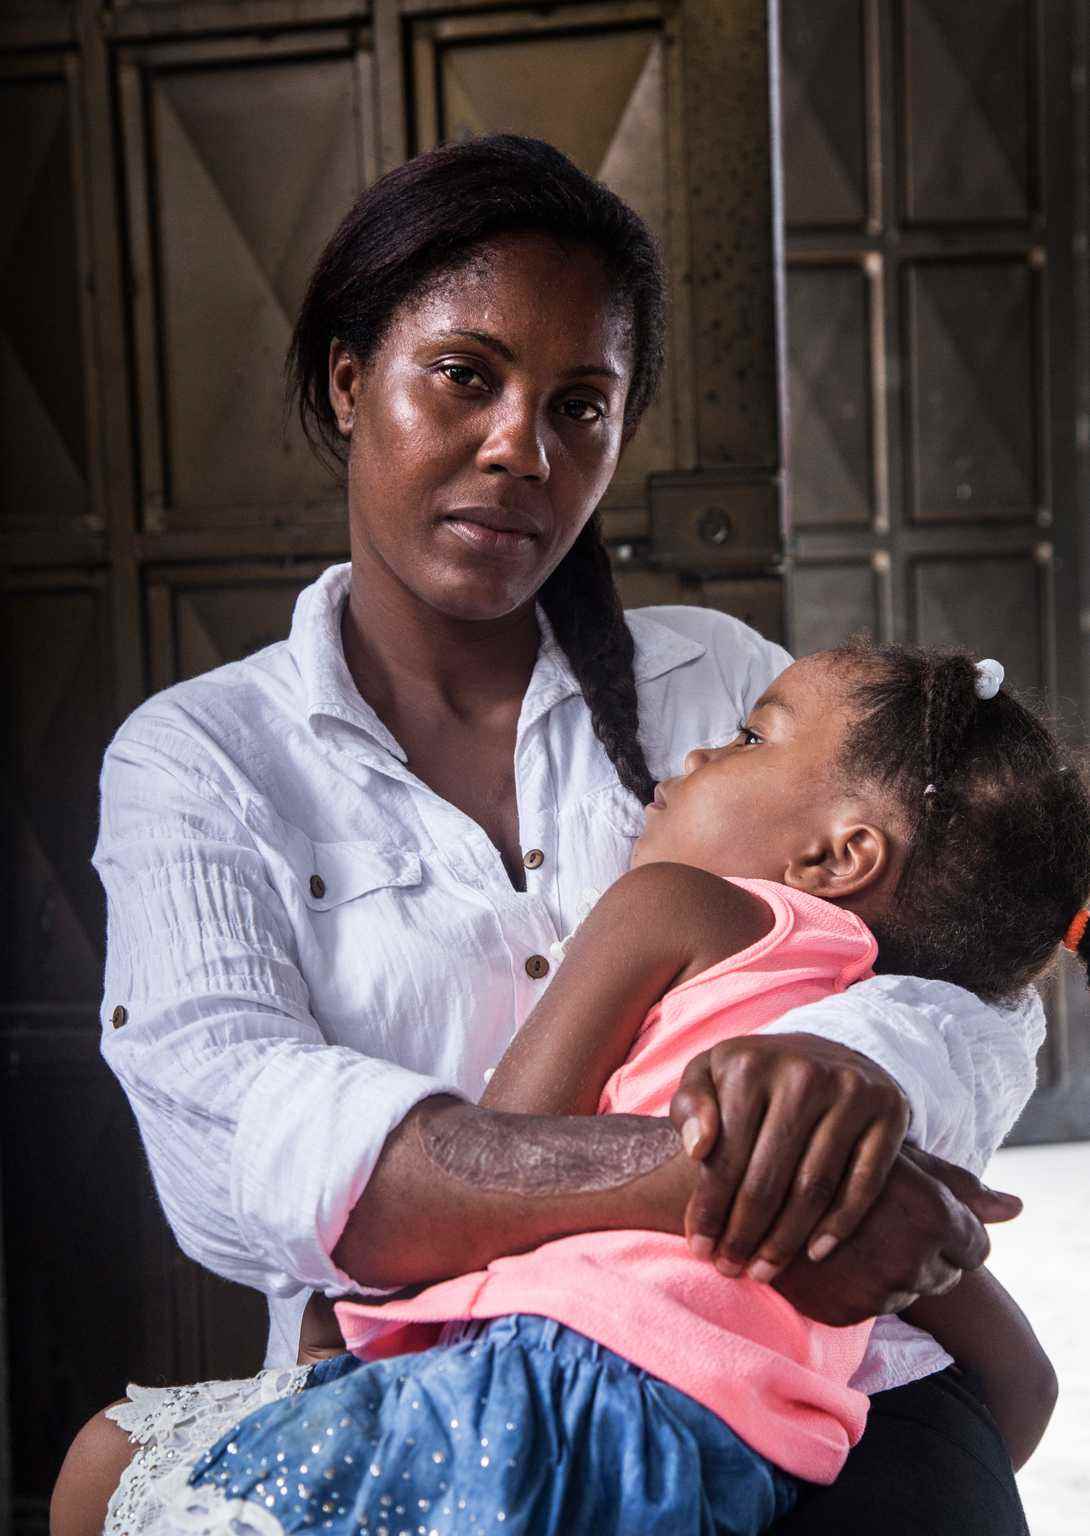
x=659, y=802
x=493, y=530
x=499, y=541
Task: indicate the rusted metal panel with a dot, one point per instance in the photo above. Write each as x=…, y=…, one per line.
x=45, y=462
x=241, y=158
x=970, y=90
x=713, y=522
x=825, y=141
x=731, y=172
x=975, y=403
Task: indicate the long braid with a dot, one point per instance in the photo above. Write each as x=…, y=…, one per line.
x=584, y=609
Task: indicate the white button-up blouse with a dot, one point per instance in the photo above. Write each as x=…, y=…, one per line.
x=306, y=940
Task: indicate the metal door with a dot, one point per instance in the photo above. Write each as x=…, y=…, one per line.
x=935, y=185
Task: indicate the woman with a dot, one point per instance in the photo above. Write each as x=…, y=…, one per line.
x=336, y=870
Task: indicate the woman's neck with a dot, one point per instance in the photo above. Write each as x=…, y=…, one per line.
x=404, y=655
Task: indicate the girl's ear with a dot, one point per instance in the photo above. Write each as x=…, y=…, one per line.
x=850, y=858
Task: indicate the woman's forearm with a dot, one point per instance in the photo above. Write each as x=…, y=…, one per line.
x=457, y=1186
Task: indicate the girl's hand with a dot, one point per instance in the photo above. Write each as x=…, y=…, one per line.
x=795, y=1136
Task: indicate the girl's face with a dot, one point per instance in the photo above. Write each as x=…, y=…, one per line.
x=769, y=803
x=486, y=428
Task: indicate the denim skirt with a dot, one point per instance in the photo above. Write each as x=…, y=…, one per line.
x=516, y=1424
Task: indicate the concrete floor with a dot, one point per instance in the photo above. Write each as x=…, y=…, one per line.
x=1043, y=1259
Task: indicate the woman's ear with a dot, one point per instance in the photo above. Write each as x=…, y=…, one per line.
x=343, y=385
x=851, y=857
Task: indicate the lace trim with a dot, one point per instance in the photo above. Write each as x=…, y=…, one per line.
x=209, y=1512
x=172, y=1426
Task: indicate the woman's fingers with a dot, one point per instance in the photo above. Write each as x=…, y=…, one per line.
x=694, y=1108
x=795, y=1144
x=781, y=1143
x=719, y=1174
x=874, y=1156
x=826, y=1203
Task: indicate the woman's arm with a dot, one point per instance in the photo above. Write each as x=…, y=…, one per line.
x=261, y=1135
x=519, y=1169
x=459, y=1185
x=985, y=1329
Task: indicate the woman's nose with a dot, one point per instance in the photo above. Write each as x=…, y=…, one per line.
x=695, y=759
x=515, y=445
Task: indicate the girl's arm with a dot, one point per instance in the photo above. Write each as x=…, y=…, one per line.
x=833, y=1121
x=655, y=927
x=985, y=1329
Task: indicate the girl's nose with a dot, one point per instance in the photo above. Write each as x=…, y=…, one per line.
x=695, y=759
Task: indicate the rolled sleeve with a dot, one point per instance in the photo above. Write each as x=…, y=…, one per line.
x=260, y=1135
x=965, y=1066
x=309, y=1134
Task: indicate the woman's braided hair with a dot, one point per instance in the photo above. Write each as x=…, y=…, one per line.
x=996, y=818
x=433, y=217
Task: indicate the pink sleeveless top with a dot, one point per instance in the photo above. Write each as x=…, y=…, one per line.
x=779, y=1380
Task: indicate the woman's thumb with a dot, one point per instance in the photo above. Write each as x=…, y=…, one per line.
x=987, y=1205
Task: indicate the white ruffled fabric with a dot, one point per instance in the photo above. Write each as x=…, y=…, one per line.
x=173, y=1426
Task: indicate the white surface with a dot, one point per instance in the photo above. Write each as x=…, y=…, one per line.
x=1043, y=1259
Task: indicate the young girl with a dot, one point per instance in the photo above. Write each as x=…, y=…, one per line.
x=617, y=1381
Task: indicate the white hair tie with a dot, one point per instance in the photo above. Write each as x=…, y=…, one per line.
x=989, y=678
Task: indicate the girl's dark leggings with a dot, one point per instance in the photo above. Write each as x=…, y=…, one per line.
x=930, y=1463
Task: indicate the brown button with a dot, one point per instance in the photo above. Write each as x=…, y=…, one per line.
x=119, y=1016
x=317, y=887
x=534, y=859
x=537, y=966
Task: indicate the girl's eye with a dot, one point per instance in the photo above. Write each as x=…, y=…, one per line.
x=459, y=373
x=747, y=737
x=581, y=410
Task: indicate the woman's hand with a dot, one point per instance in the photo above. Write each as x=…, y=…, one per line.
x=919, y=1236
x=795, y=1137
x=319, y=1332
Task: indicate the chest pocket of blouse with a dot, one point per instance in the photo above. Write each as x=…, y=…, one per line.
x=334, y=873
x=353, y=907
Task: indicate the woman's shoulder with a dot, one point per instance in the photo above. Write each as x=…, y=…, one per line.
x=228, y=709
x=679, y=632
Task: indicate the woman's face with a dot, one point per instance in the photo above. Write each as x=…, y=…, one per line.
x=486, y=428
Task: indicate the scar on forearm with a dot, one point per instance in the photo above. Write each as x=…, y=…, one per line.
x=539, y=1155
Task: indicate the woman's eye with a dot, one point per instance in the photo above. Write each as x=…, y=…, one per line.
x=748, y=738
x=459, y=373
x=581, y=410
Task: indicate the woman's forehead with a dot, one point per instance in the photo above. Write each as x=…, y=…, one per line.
x=527, y=287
